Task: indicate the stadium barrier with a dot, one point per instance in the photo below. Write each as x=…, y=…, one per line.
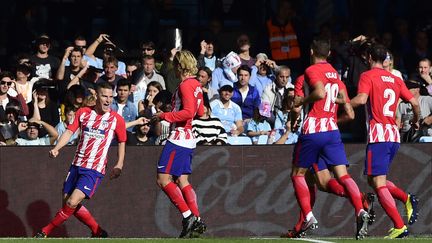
x=242, y=191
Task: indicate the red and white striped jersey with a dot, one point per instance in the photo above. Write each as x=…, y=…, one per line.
x=97, y=132
x=187, y=103
x=384, y=90
x=322, y=113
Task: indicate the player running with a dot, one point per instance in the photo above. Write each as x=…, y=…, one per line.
x=98, y=125
x=380, y=90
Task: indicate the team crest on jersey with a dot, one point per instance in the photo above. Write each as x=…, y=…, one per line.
x=104, y=124
x=197, y=91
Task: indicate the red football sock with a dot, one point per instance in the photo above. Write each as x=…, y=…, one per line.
x=353, y=192
x=83, y=215
x=388, y=203
x=175, y=195
x=302, y=217
x=336, y=188
x=302, y=193
x=58, y=219
x=191, y=199
x=396, y=192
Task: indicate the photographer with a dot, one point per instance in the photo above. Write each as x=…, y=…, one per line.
x=262, y=73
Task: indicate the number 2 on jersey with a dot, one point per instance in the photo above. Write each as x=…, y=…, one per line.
x=390, y=95
x=332, y=91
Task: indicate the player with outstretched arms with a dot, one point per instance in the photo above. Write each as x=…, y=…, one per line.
x=99, y=125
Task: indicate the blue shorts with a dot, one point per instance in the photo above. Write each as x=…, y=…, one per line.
x=175, y=160
x=379, y=156
x=83, y=179
x=327, y=146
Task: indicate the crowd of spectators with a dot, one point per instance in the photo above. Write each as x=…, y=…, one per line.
x=247, y=93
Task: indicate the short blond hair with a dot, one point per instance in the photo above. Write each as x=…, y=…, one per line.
x=185, y=63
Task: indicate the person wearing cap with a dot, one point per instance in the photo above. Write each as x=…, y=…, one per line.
x=32, y=134
x=45, y=65
x=108, y=51
x=405, y=113
x=225, y=75
x=227, y=111
x=262, y=73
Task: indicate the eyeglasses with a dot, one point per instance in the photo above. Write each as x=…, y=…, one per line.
x=148, y=49
x=81, y=46
x=6, y=83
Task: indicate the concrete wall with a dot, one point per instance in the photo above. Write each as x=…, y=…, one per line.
x=242, y=191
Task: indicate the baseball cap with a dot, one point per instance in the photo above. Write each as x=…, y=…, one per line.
x=226, y=87
x=33, y=124
x=412, y=84
x=43, y=39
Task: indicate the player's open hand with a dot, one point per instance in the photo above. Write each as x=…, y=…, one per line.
x=115, y=173
x=53, y=153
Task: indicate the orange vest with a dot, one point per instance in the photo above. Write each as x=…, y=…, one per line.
x=283, y=42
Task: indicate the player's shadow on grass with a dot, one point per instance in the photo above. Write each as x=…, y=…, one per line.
x=38, y=215
x=10, y=224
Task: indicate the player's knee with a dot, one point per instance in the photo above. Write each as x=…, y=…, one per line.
x=72, y=203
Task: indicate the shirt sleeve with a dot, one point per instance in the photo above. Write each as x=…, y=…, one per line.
x=189, y=104
x=120, y=129
x=365, y=84
x=313, y=77
x=298, y=86
x=76, y=122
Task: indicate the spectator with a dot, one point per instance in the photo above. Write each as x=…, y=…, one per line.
x=258, y=125
x=108, y=52
x=148, y=73
x=262, y=73
x=388, y=65
x=45, y=65
x=74, y=97
x=227, y=111
x=162, y=129
x=208, y=130
x=225, y=75
x=146, y=106
x=43, y=109
x=286, y=132
x=275, y=92
x=131, y=66
x=24, y=82
x=424, y=76
x=405, y=114
x=420, y=50
x=62, y=125
x=204, y=76
x=141, y=132
x=245, y=95
x=148, y=48
x=67, y=73
x=33, y=136
x=207, y=56
x=122, y=105
x=9, y=128
x=244, y=45
x=110, y=66
x=6, y=82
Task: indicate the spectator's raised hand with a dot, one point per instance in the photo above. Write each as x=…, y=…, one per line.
x=203, y=45
x=103, y=37
x=67, y=52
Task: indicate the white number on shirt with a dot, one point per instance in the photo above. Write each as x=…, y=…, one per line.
x=390, y=95
x=331, y=95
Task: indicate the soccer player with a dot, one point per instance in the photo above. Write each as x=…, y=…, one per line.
x=99, y=125
x=320, y=137
x=319, y=172
x=174, y=166
x=381, y=91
